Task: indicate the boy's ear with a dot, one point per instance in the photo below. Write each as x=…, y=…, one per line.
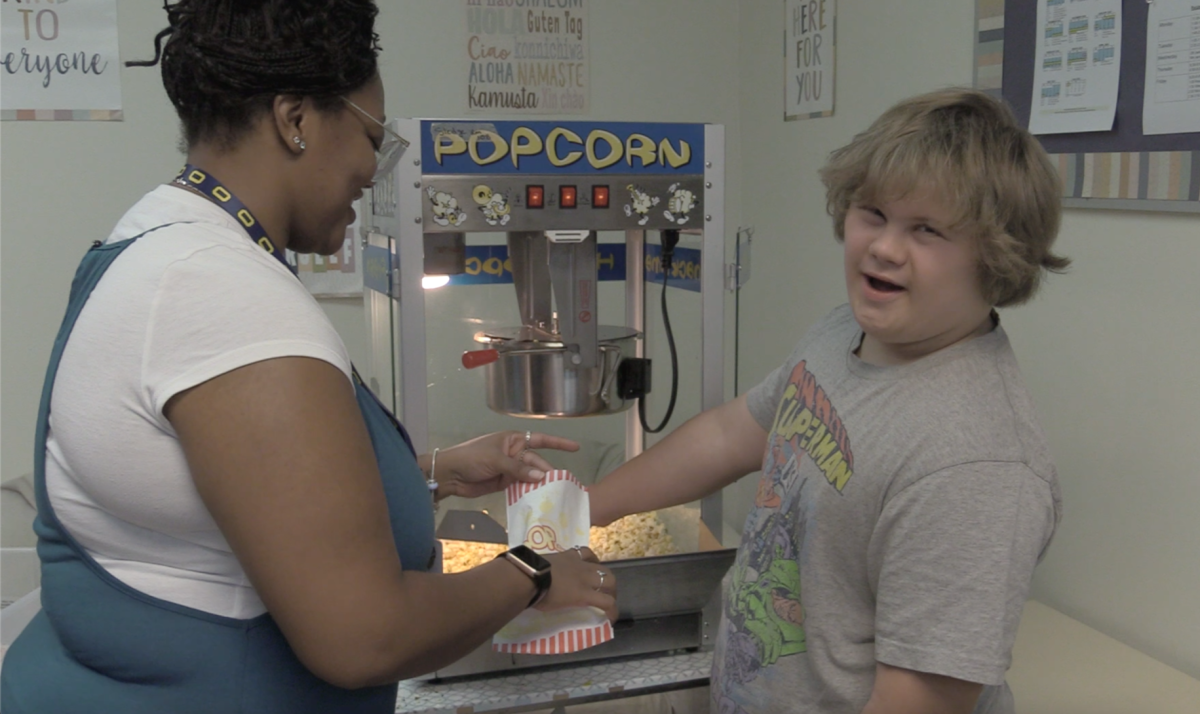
x=289, y=113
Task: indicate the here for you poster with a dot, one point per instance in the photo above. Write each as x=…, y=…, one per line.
x=808, y=52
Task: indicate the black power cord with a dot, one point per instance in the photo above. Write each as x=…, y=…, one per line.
x=670, y=239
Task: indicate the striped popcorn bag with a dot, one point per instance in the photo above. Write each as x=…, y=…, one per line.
x=551, y=516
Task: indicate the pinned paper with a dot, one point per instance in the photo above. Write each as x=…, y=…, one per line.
x=551, y=516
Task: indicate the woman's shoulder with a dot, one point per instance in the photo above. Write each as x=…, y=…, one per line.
x=169, y=205
x=176, y=230
x=180, y=222
x=190, y=256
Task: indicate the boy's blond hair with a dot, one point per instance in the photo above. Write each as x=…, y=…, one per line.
x=967, y=149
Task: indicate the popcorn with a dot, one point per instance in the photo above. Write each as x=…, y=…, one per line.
x=636, y=536
x=460, y=555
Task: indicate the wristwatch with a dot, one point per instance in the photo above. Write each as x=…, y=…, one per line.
x=533, y=565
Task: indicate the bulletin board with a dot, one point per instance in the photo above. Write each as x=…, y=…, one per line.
x=1117, y=169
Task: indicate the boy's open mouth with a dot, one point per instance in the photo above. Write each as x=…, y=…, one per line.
x=883, y=285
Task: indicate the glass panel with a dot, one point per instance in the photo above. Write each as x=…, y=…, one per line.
x=458, y=402
x=684, y=311
x=380, y=370
x=458, y=407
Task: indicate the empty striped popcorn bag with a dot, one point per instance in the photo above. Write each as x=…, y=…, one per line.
x=551, y=516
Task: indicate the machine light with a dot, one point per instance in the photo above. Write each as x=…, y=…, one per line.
x=535, y=196
x=566, y=196
x=429, y=282
x=599, y=196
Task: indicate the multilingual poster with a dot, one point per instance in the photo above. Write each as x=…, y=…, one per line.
x=60, y=61
x=808, y=44
x=527, y=57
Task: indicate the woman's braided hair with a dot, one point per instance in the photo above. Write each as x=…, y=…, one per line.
x=224, y=61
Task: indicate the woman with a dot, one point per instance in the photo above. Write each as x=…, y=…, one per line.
x=228, y=520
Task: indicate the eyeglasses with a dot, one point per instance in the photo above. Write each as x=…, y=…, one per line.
x=390, y=149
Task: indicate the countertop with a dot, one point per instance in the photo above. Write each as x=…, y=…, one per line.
x=546, y=689
x=1060, y=666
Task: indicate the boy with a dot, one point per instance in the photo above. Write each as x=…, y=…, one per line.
x=907, y=491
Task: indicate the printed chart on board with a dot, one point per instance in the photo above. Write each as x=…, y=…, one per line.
x=1171, y=104
x=1077, y=66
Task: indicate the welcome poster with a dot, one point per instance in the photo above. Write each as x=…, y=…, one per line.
x=60, y=61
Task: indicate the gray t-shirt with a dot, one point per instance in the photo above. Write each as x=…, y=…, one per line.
x=899, y=517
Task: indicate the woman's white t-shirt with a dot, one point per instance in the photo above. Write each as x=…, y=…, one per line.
x=185, y=303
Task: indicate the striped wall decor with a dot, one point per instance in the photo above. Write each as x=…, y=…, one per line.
x=989, y=45
x=810, y=115
x=1145, y=175
x=62, y=115
x=1153, y=175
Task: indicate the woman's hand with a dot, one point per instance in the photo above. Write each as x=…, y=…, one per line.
x=578, y=579
x=492, y=462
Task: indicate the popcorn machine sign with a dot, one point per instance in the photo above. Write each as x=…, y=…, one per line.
x=498, y=147
x=60, y=60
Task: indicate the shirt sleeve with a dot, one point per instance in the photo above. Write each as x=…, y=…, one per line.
x=222, y=308
x=951, y=561
x=763, y=398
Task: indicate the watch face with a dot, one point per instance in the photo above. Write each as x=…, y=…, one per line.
x=527, y=556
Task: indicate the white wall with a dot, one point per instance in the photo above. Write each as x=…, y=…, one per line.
x=1109, y=350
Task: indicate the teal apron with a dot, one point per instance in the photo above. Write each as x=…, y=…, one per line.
x=99, y=645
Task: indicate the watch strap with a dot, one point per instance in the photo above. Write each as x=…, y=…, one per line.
x=541, y=578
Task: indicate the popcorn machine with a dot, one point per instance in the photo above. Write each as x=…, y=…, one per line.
x=557, y=215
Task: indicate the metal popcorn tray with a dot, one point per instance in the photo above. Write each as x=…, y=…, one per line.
x=665, y=585
x=665, y=603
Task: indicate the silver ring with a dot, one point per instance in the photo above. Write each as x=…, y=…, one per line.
x=578, y=550
x=601, y=574
x=528, y=439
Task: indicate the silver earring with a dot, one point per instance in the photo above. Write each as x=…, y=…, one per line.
x=300, y=142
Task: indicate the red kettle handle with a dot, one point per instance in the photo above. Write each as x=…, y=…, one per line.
x=477, y=358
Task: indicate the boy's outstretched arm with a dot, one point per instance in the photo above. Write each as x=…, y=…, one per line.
x=710, y=451
x=904, y=691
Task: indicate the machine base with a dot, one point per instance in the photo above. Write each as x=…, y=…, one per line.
x=633, y=638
